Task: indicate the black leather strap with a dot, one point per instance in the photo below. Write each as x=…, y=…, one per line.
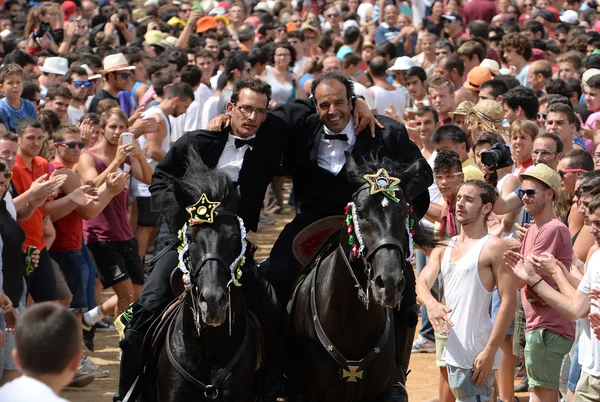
x=385, y=242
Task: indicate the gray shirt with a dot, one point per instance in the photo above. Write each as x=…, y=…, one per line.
x=223, y=99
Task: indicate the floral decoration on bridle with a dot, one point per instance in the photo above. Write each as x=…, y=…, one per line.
x=204, y=212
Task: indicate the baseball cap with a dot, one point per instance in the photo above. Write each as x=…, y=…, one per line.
x=452, y=16
x=492, y=65
x=477, y=76
x=570, y=17
x=544, y=174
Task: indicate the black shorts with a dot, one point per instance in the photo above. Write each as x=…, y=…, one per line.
x=146, y=217
x=117, y=261
x=41, y=283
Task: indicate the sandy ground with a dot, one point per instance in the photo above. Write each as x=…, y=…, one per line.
x=422, y=381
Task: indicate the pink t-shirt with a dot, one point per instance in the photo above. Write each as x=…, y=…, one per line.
x=553, y=238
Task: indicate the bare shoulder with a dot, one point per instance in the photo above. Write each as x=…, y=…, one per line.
x=495, y=248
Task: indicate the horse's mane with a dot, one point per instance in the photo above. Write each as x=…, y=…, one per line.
x=200, y=179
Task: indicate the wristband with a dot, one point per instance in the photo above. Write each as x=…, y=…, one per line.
x=535, y=284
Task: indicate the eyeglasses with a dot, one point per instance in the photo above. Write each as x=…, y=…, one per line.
x=449, y=176
x=529, y=192
x=7, y=175
x=597, y=155
x=72, y=144
x=563, y=172
x=80, y=84
x=542, y=116
x=248, y=110
x=542, y=153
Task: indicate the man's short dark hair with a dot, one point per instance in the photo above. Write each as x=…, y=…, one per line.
x=234, y=61
x=378, y=66
x=296, y=35
x=557, y=86
x=525, y=98
x=559, y=107
x=510, y=81
x=593, y=61
x=453, y=61
x=161, y=80
x=332, y=76
x=254, y=84
x=555, y=138
x=535, y=27
x=579, y=159
x=9, y=136
x=18, y=57
x=450, y=132
x=488, y=193
x=423, y=110
x=29, y=91
x=181, y=90
x=445, y=161
x=594, y=205
x=205, y=37
x=386, y=48
x=351, y=35
x=416, y=72
x=479, y=29
x=47, y=338
x=58, y=90
x=351, y=59
x=191, y=75
x=594, y=82
x=574, y=85
x=74, y=70
x=258, y=55
x=496, y=87
x=445, y=43
x=155, y=65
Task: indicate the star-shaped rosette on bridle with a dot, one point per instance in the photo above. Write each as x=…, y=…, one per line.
x=382, y=182
x=203, y=211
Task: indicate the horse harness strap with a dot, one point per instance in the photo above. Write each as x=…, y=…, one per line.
x=211, y=391
x=362, y=294
x=351, y=371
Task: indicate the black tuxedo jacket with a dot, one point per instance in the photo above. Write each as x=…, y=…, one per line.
x=325, y=193
x=259, y=166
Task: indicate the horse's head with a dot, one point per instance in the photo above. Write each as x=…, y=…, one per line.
x=213, y=236
x=381, y=223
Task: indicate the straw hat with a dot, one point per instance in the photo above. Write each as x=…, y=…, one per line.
x=544, y=174
x=488, y=115
x=465, y=108
x=116, y=62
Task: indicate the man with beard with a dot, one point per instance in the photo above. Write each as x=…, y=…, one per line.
x=116, y=74
x=76, y=79
x=470, y=267
x=178, y=98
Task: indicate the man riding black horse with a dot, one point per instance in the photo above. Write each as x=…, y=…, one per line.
x=313, y=146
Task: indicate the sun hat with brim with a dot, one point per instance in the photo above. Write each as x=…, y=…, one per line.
x=307, y=27
x=368, y=44
x=589, y=74
x=174, y=21
x=492, y=65
x=476, y=77
x=205, y=23
x=262, y=6
x=222, y=18
x=402, y=64
x=544, y=174
x=90, y=73
x=116, y=62
x=465, y=108
x=570, y=17
x=488, y=115
x=153, y=37
x=169, y=41
x=217, y=11
x=55, y=65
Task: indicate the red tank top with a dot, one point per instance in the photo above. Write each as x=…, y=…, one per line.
x=69, y=229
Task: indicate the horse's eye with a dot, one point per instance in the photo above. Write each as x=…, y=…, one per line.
x=359, y=214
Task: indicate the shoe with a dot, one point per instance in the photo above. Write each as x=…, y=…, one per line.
x=88, y=366
x=104, y=325
x=423, y=345
x=81, y=379
x=89, y=334
x=523, y=386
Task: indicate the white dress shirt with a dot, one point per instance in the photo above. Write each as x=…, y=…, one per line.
x=27, y=389
x=331, y=152
x=232, y=158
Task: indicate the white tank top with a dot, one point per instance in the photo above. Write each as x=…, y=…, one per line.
x=385, y=98
x=139, y=189
x=470, y=303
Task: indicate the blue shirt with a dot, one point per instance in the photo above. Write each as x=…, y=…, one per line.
x=385, y=33
x=10, y=116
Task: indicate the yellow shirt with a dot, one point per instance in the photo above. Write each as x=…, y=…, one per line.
x=471, y=170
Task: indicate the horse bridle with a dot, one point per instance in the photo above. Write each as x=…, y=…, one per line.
x=385, y=242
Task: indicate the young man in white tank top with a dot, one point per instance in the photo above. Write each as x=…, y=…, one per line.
x=471, y=265
x=177, y=99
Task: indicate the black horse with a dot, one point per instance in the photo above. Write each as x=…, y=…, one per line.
x=211, y=345
x=343, y=342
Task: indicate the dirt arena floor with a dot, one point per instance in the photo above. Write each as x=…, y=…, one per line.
x=422, y=381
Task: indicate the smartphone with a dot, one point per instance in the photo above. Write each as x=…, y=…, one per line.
x=127, y=138
x=28, y=261
x=42, y=29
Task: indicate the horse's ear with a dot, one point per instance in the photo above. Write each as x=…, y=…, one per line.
x=351, y=165
x=411, y=180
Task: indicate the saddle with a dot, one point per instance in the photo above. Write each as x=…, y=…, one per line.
x=309, y=241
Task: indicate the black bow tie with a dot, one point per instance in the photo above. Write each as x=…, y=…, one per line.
x=240, y=143
x=341, y=137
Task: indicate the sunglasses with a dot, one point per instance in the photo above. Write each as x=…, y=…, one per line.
x=331, y=15
x=72, y=144
x=125, y=76
x=563, y=172
x=542, y=116
x=7, y=175
x=495, y=39
x=529, y=192
x=80, y=84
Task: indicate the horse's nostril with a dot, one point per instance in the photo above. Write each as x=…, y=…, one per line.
x=222, y=300
x=379, y=283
